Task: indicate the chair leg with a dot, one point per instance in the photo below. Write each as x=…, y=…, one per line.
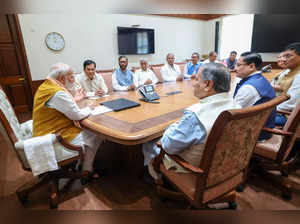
x=281, y=182
x=24, y=191
x=54, y=199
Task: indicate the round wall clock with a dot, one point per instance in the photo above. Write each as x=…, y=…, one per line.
x=55, y=41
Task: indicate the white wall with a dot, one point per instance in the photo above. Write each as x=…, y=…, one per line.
x=236, y=34
x=95, y=37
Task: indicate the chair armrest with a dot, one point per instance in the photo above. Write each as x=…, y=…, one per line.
x=67, y=145
x=277, y=131
x=285, y=112
x=180, y=161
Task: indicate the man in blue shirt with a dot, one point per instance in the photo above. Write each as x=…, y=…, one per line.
x=122, y=78
x=192, y=67
x=231, y=61
x=187, y=137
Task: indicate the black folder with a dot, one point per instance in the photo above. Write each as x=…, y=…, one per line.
x=120, y=104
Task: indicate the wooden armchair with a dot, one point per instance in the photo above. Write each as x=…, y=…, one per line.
x=273, y=153
x=67, y=155
x=225, y=159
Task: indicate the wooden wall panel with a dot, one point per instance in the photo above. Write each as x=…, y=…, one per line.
x=5, y=36
x=8, y=58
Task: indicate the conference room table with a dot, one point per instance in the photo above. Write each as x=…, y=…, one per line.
x=145, y=122
x=148, y=121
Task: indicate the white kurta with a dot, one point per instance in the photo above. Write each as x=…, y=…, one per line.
x=63, y=103
x=169, y=73
x=92, y=85
x=141, y=76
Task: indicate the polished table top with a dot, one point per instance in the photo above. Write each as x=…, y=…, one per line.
x=148, y=121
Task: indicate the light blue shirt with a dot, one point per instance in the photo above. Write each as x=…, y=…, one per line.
x=124, y=78
x=177, y=137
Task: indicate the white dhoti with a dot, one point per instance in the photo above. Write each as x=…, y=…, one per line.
x=90, y=142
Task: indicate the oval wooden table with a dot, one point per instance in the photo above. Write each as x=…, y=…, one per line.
x=143, y=123
x=140, y=124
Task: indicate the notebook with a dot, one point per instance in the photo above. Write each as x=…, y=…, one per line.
x=120, y=104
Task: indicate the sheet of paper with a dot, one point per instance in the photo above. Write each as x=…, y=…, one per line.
x=97, y=97
x=100, y=110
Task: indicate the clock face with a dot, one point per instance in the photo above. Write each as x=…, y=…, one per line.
x=55, y=41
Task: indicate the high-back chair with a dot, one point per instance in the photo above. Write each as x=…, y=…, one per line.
x=273, y=153
x=67, y=155
x=225, y=159
x=156, y=70
x=107, y=74
x=181, y=66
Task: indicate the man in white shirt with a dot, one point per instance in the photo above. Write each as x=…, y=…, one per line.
x=170, y=71
x=91, y=82
x=144, y=75
x=212, y=58
x=55, y=110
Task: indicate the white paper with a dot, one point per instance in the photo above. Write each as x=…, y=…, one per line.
x=96, y=97
x=100, y=110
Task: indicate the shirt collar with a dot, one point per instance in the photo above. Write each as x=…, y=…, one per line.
x=87, y=78
x=216, y=97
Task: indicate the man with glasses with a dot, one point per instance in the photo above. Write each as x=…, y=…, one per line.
x=289, y=82
x=253, y=88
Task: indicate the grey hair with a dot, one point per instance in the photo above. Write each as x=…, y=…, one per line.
x=58, y=69
x=169, y=54
x=144, y=59
x=219, y=74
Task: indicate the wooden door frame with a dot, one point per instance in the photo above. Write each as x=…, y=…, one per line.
x=20, y=41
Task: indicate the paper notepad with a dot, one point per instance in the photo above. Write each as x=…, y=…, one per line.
x=100, y=110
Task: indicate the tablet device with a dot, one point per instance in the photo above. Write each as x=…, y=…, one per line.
x=120, y=104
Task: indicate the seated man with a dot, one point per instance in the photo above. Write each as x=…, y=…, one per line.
x=170, y=71
x=187, y=137
x=192, y=67
x=144, y=75
x=54, y=110
x=92, y=82
x=71, y=85
x=231, y=61
x=212, y=58
x=253, y=88
x=289, y=82
x=122, y=78
x=280, y=62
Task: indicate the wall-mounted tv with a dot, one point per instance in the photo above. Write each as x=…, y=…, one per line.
x=135, y=40
x=272, y=32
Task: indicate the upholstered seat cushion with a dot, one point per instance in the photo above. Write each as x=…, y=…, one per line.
x=269, y=148
x=61, y=153
x=186, y=182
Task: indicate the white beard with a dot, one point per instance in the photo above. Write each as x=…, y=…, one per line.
x=69, y=85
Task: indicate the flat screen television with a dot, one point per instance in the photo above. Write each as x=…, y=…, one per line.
x=135, y=40
x=272, y=32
